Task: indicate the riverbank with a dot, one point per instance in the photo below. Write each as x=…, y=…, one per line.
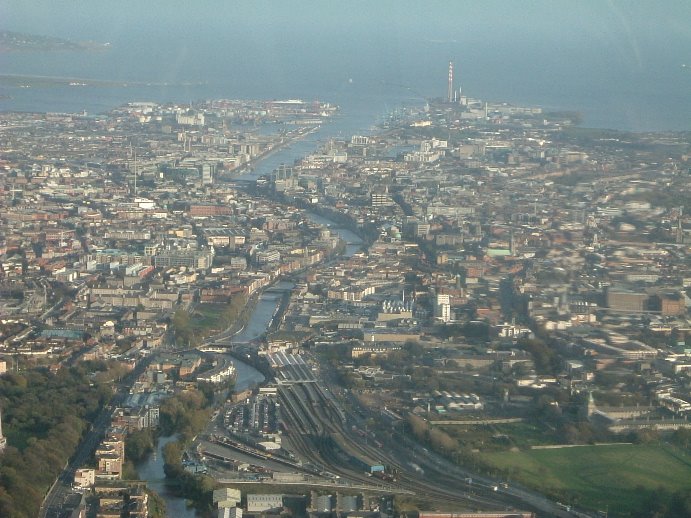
x=152, y=468
x=292, y=138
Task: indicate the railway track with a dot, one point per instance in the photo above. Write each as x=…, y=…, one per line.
x=313, y=417
x=316, y=418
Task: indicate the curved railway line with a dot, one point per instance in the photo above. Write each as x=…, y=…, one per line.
x=330, y=444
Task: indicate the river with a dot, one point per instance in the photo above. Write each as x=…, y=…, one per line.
x=288, y=156
x=151, y=469
x=269, y=301
x=260, y=319
x=354, y=242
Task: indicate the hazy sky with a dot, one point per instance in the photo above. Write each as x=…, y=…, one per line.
x=633, y=31
x=525, y=50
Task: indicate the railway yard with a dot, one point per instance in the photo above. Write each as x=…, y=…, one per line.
x=303, y=432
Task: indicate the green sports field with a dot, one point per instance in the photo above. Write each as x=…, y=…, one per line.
x=598, y=477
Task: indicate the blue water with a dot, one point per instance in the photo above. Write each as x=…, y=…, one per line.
x=618, y=63
x=261, y=317
x=151, y=470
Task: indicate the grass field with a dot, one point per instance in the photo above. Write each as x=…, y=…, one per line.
x=599, y=476
x=208, y=318
x=502, y=436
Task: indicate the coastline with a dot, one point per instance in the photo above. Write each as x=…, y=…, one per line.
x=38, y=81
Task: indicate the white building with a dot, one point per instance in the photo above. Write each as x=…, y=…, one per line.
x=259, y=503
x=84, y=477
x=227, y=497
x=229, y=512
x=442, y=309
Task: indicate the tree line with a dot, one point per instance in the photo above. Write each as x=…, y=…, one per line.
x=44, y=416
x=187, y=414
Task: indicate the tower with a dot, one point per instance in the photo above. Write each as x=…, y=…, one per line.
x=3, y=439
x=449, y=94
x=135, y=173
x=589, y=407
x=133, y=167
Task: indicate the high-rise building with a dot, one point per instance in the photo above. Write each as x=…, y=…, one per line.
x=442, y=309
x=208, y=172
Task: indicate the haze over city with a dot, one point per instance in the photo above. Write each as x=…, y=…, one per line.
x=356, y=259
